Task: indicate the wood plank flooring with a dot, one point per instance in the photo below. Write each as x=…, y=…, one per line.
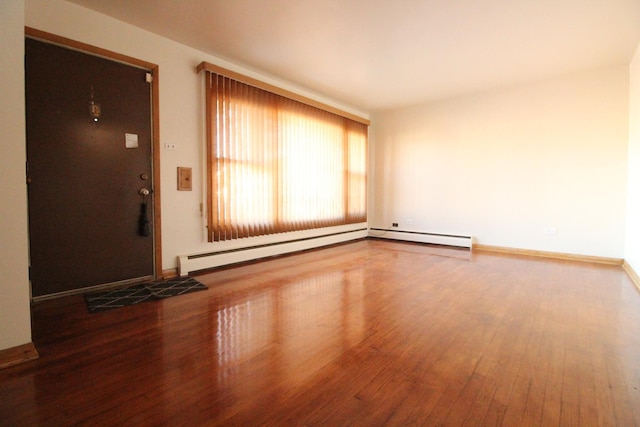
x=363, y=334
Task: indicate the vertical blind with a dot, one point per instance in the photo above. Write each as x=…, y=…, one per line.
x=276, y=164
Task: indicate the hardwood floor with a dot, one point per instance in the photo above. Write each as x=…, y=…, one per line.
x=367, y=333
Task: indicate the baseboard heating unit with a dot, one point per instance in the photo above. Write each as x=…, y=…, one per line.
x=204, y=261
x=422, y=237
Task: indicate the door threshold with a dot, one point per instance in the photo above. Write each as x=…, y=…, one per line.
x=102, y=287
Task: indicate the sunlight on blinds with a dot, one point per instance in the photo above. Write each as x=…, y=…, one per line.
x=278, y=165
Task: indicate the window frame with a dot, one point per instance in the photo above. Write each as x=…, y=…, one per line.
x=224, y=229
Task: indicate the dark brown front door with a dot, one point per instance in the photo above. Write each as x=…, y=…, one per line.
x=86, y=219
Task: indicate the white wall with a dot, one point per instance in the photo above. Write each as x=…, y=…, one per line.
x=632, y=247
x=181, y=115
x=15, y=320
x=504, y=165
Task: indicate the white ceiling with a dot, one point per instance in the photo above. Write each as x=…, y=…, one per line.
x=380, y=54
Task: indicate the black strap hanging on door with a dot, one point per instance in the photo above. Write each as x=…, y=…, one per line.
x=144, y=225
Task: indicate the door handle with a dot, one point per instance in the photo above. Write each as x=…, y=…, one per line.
x=144, y=192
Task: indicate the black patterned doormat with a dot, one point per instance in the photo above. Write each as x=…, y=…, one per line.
x=116, y=298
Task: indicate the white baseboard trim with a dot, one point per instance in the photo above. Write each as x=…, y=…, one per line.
x=204, y=261
x=422, y=237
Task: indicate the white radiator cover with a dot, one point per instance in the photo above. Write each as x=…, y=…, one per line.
x=203, y=261
x=423, y=237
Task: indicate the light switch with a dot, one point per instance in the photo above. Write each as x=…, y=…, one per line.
x=184, y=179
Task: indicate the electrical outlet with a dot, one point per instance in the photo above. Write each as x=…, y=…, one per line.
x=395, y=224
x=170, y=146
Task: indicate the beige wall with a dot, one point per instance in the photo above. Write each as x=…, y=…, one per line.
x=505, y=165
x=15, y=320
x=632, y=242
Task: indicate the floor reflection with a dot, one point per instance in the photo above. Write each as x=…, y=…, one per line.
x=299, y=326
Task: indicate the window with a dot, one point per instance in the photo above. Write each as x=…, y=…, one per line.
x=276, y=164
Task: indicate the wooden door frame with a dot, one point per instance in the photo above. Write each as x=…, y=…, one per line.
x=155, y=121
